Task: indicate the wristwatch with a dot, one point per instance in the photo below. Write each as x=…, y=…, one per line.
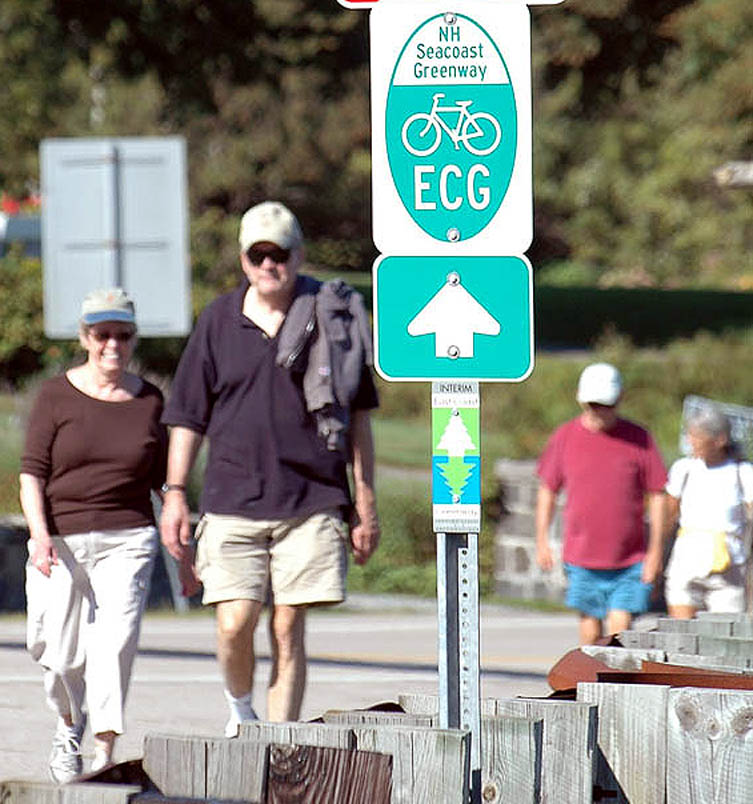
x=172, y=487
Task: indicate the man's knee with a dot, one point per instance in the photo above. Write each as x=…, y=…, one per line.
x=288, y=629
x=236, y=619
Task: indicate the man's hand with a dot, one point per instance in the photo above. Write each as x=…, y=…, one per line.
x=652, y=565
x=544, y=557
x=175, y=525
x=364, y=532
x=545, y=502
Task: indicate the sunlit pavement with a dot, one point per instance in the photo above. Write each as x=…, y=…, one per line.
x=366, y=652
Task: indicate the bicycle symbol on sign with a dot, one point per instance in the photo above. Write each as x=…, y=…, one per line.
x=424, y=139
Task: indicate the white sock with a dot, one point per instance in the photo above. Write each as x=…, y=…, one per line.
x=240, y=708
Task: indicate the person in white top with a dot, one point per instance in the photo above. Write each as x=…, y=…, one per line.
x=711, y=495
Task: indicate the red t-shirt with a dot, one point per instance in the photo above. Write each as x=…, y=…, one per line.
x=605, y=476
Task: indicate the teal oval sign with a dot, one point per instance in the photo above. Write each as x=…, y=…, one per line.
x=451, y=127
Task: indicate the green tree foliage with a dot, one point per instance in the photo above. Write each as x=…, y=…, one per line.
x=636, y=102
x=627, y=167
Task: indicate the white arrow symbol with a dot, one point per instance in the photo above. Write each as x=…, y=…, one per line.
x=453, y=316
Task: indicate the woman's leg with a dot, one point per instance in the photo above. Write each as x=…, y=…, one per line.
x=681, y=612
x=57, y=609
x=120, y=575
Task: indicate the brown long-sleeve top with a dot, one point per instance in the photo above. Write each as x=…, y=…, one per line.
x=98, y=460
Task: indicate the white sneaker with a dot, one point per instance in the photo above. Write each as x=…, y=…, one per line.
x=65, y=760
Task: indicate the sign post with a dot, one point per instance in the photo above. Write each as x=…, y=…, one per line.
x=453, y=301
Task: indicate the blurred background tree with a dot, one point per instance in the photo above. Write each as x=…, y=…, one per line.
x=636, y=102
x=639, y=101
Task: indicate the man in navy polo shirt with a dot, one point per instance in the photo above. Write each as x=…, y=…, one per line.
x=276, y=375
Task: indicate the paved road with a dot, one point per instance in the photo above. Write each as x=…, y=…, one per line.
x=363, y=653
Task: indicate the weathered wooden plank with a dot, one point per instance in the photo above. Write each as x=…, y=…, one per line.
x=734, y=617
x=623, y=658
x=511, y=759
x=419, y=704
x=569, y=745
x=237, y=769
x=93, y=793
x=637, y=639
x=150, y=797
x=23, y=792
x=177, y=764
x=511, y=763
x=27, y=792
x=706, y=627
x=728, y=647
x=631, y=756
x=369, y=717
x=429, y=766
x=725, y=665
x=326, y=735
x=743, y=629
x=709, y=746
x=314, y=775
x=672, y=624
x=429, y=704
x=660, y=640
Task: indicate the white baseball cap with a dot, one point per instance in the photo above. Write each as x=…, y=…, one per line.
x=270, y=222
x=600, y=383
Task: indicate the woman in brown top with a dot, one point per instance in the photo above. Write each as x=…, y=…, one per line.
x=94, y=451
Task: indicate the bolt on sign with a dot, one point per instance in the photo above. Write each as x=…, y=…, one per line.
x=451, y=136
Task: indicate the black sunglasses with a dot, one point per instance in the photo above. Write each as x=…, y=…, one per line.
x=102, y=336
x=257, y=254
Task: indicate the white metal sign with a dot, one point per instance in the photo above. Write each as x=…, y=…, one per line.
x=365, y=4
x=114, y=213
x=451, y=128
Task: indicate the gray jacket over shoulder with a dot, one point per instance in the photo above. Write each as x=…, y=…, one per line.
x=332, y=317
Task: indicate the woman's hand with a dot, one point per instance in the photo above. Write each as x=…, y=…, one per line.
x=43, y=554
x=189, y=581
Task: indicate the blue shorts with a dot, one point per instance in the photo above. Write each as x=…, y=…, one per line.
x=595, y=592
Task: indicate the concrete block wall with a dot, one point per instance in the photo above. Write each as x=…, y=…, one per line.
x=516, y=573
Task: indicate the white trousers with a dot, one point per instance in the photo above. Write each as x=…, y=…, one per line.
x=84, y=620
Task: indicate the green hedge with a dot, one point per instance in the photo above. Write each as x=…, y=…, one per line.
x=577, y=317
x=564, y=317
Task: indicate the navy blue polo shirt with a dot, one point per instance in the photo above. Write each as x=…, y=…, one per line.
x=266, y=460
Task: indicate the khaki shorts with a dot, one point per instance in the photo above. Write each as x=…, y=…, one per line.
x=304, y=560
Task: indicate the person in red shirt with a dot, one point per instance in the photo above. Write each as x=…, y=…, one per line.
x=609, y=469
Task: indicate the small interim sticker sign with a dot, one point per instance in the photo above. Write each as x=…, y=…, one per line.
x=456, y=457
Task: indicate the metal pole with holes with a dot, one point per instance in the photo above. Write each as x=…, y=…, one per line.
x=456, y=497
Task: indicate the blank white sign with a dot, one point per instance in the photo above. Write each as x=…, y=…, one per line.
x=114, y=214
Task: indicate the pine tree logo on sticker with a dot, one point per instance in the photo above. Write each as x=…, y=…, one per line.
x=451, y=127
